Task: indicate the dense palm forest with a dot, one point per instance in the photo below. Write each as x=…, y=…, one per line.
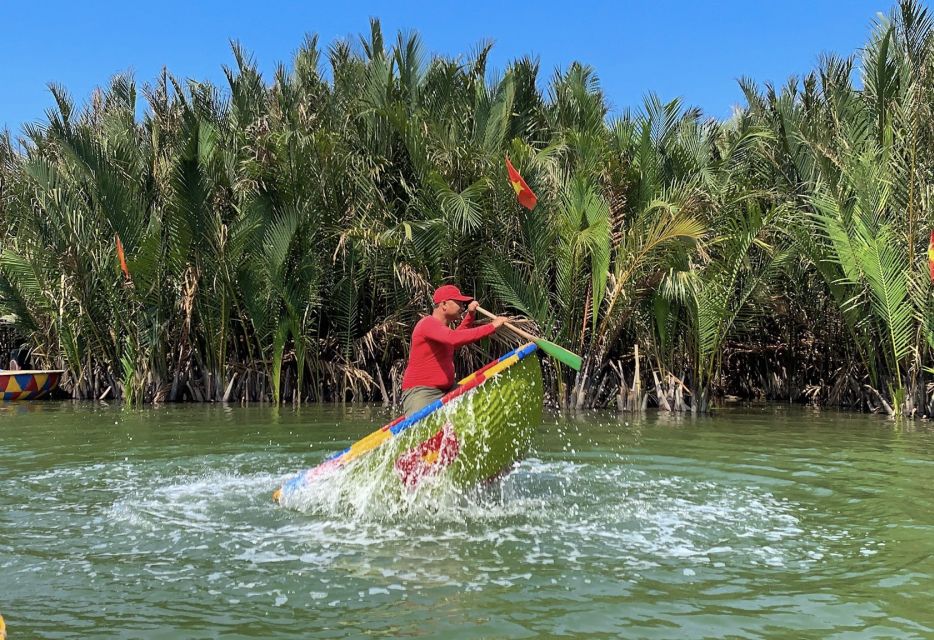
x=283, y=235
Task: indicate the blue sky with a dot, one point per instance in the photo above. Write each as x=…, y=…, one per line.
x=692, y=49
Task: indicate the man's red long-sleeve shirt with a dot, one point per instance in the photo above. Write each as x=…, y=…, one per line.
x=431, y=356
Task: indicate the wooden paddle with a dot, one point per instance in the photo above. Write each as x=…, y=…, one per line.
x=560, y=354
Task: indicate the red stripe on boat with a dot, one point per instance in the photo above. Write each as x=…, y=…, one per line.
x=459, y=391
x=482, y=369
x=464, y=388
x=321, y=468
x=393, y=423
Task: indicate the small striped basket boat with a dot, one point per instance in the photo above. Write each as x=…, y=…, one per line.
x=475, y=433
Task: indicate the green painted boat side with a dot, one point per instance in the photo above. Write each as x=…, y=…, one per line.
x=494, y=425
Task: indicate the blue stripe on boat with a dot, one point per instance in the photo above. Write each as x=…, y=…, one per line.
x=337, y=454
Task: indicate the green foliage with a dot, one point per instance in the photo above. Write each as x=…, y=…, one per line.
x=284, y=234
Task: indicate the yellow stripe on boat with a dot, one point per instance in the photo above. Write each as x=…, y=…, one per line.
x=505, y=364
x=366, y=444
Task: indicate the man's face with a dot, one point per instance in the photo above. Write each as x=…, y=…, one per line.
x=453, y=309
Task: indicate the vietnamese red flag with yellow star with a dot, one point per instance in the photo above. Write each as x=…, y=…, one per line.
x=526, y=196
x=931, y=256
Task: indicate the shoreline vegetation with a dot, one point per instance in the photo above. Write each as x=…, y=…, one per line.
x=282, y=236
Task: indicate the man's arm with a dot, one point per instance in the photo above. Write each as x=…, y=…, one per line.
x=467, y=322
x=471, y=315
x=437, y=332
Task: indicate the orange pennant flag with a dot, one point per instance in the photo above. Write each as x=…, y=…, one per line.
x=122, y=257
x=931, y=256
x=526, y=196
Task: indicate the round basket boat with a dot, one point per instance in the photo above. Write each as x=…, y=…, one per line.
x=475, y=433
x=28, y=385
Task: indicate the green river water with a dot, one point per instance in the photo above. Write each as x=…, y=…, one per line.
x=769, y=522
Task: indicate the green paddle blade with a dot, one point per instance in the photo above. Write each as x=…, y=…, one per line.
x=560, y=354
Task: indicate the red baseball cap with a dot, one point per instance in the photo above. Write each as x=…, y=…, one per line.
x=449, y=292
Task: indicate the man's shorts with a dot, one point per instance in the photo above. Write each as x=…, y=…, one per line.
x=418, y=397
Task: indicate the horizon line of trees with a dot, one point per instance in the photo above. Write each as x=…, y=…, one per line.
x=282, y=238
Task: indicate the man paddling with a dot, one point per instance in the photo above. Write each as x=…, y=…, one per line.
x=430, y=372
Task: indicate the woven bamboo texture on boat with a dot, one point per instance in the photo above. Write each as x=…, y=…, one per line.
x=474, y=433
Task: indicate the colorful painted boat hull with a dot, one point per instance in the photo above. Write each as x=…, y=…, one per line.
x=28, y=385
x=475, y=433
